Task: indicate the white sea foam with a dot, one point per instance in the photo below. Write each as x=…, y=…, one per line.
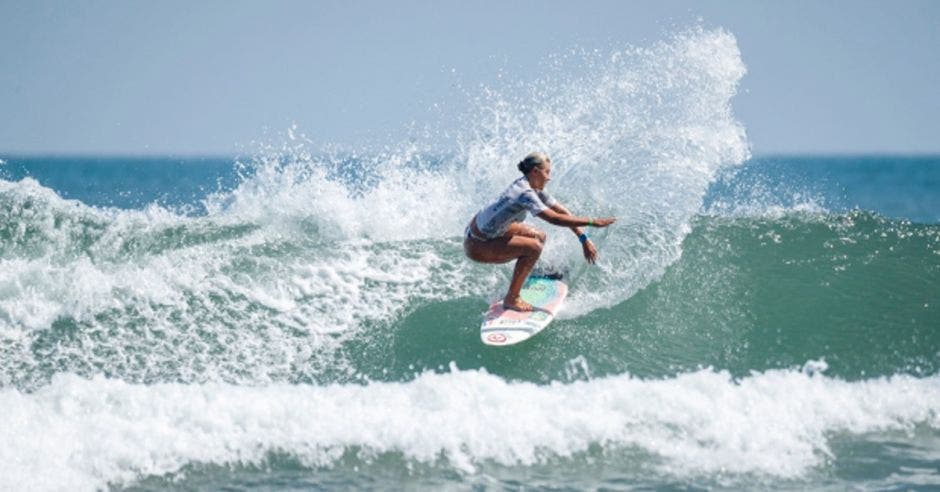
x=159, y=295
x=82, y=434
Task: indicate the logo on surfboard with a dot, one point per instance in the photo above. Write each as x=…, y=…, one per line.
x=496, y=338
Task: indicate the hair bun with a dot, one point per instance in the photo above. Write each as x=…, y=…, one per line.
x=531, y=161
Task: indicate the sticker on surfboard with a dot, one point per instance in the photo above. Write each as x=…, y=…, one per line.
x=507, y=327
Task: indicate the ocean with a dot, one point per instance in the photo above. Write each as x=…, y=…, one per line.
x=303, y=317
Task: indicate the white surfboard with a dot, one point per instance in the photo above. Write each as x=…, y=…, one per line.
x=507, y=327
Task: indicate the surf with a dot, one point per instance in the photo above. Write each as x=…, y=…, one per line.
x=779, y=425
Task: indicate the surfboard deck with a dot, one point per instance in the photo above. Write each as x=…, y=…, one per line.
x=501, y=327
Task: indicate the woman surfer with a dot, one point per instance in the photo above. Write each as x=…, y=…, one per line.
x=496, y=234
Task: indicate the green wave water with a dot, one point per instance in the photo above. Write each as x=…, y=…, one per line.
x=748, y=294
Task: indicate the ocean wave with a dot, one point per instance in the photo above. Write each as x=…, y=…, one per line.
x=152, y=296
x=777, y=424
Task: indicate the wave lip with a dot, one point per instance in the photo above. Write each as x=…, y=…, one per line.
x=777, y=424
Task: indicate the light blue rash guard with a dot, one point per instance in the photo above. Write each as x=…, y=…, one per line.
x=511, y=207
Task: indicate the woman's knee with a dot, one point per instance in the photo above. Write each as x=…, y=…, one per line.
x=534, y=248
x=537, y=234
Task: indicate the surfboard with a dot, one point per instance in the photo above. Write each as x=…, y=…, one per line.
x=546, y=294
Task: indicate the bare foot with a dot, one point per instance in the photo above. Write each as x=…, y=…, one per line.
x=517, y=304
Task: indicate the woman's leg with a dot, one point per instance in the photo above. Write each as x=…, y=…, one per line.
x=520, y=242
x=520, y=229
x=521, y=271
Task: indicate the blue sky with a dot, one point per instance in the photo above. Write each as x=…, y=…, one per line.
x=191, y=77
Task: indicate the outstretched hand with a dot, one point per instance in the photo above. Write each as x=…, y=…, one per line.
x=604, y=222
x=590, y=252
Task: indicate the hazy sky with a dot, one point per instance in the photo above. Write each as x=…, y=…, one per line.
x=211, y=77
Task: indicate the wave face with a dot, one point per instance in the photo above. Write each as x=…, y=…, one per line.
x=308, y=317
